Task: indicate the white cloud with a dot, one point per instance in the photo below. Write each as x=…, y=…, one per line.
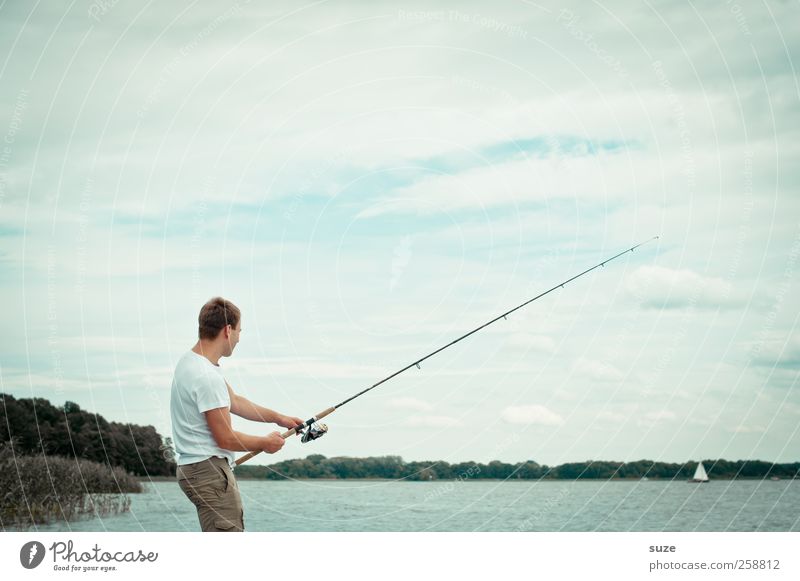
x=119, y=344
x=653, y=418
x=530, y=342
x=428, y=421
x=410, y=403
x=21, y=381
x=303, y=367
x=514, y=182
x=531, y=414
x=597, y=370
x=613, y=417
x=747, y=430
x=775, y=351
x=659, y=287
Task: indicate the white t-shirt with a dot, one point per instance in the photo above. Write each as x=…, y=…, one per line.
x=198, y=386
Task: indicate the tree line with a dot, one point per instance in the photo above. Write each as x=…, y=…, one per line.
x=38, y=427
x=393, y=467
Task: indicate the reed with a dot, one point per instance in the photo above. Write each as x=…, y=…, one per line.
x=37, y=489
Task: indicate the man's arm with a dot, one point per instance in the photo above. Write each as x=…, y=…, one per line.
x=243, y=407
x=219, y=422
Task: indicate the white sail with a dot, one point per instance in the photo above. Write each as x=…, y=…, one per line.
x=700, y=474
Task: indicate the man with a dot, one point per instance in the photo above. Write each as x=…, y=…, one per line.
x=201, y=406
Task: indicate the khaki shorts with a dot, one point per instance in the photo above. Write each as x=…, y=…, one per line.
x=212, y=488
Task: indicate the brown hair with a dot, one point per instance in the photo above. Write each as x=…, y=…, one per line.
x=215, y=315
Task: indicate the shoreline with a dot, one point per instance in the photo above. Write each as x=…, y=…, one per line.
x=446, y=480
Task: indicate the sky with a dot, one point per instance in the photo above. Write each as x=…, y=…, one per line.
x=368, y=181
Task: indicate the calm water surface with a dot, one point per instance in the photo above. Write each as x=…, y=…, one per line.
x=475, y=506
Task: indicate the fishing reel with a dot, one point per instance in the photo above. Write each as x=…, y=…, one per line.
x=313, y=432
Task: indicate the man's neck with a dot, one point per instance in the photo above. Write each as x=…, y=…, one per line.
x=208, y=352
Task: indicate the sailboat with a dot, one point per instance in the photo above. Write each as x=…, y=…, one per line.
x=699, y=474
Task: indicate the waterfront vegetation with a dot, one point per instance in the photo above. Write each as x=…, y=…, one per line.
x=37, y=489
x=393, y=467
x=65, y=462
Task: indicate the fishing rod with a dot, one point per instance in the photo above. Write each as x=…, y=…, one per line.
x=316, y=430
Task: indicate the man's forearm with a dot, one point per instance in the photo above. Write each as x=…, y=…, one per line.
x=248, y=410
x=241, y=442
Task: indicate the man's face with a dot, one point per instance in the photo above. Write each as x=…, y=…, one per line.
x=233, y=337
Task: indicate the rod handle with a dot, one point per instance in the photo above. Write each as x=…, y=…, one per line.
x=286, y=434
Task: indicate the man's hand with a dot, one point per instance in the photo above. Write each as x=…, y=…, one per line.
x=273, y=443
x=289, y=422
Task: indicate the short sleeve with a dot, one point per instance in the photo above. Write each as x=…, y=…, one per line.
x=211, y=392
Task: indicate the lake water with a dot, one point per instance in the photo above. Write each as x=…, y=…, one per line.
x=316, y=505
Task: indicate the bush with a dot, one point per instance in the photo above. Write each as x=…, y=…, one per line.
x=36, y=489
